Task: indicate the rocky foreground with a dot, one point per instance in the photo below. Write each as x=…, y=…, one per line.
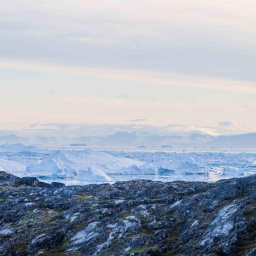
x=128, y=218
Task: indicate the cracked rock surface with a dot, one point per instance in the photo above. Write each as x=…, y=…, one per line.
x=137, y=217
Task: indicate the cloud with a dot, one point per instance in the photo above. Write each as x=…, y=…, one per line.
x=138, y=120
x=51, y=92
x=227, y=123
x=34, y=125
x=93, y=130
x=176, y=126
x=59, y=129
x=195, y=57
x=141, y=76
x=59, y=125
x=122, y=96
x=197, y=39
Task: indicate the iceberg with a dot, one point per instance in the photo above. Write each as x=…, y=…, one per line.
x=12, y=167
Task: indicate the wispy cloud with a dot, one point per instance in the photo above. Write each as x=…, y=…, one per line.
x=139, y=120
x=160, y=78
x=214, y=39
x=112, y=61
x=227, y=123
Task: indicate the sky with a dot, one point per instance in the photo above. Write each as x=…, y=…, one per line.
x=187, y=64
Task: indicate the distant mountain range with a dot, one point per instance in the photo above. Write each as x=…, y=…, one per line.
x=141, y=140
x=194, y=139
x=12, y=139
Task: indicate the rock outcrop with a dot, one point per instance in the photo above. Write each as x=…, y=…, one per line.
x=137, y=217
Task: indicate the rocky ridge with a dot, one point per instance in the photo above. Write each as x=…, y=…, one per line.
x=138, y=217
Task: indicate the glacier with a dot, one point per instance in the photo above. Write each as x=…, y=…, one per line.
x=94, y=166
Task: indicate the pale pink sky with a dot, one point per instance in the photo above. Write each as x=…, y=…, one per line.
x=187, y=62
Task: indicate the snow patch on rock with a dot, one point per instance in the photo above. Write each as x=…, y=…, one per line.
x=221, y=226
x=85, y=235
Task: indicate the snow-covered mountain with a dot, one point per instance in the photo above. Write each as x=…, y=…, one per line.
x=134, y=139
x=142, y=140
x=12, y=138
